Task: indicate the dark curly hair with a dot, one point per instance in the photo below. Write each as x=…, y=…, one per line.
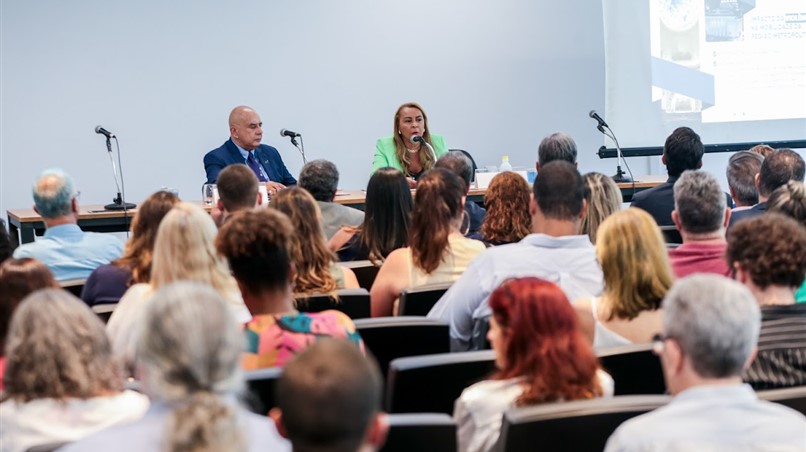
x=771, y=248
x=507, y=201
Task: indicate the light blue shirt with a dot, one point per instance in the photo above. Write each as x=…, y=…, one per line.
x=71, y=253
x=568, y=261
x=245, y=155
x=713, y=418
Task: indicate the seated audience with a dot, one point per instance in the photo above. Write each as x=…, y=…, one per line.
x=321, y=179
x=603, y=198
x=557, y=146
x=316, y=269
x=461, y=165
x=238, y=189
x=790, y=200
x=554, y=251
x=329, y=399
x=258, y=245
x=108, y=283
x=507, y=219
x=387, y=213
x=69, y=252
x=768, y=255
x=187, y=357
x=636, y=277
x=7, y=243
x=743, y=167
x=778, y=168
x=61, y=383
x=700, y=214
x=183, y=250
x=541, y=357
x=710, y=329
x=437, y=251
x=18, y=278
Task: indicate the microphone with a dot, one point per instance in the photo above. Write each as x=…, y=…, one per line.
x=598, y=118
x=419, y=139
x=288, y=133
x=104, y=132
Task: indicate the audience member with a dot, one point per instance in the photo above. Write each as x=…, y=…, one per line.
x=743, y=167
x=183, y=250
x=527, y=312
x=603, y=198
x=700, y=214
x=258, y=245
x=710, y=329
x=387, y=212
x=108, y=283
x=316, y=269
x=554, y=251
x=7, y=243
x=778, y=168
x=557, y=146
x=329, y=399
x=437, y=251
x=69, y=252
x=238, y=189
x=790, y=200
x=461, y=165
x=62, y=382
x=762, y=149
x=188, y=349
x=321, y=179
x=18, y=278
x=636, y=277
x=768, y=255
x=507, y=219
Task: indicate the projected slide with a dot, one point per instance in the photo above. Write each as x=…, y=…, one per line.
x=728, y=60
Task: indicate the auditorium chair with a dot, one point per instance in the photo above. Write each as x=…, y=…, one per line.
x=104, y=311
x=74, y=286
x=353, y=302
x=420, y=432
x=388, y=338
x=794, y=398
x=365, y=272
x=259, y=396
x=634, y=368
x=432, y=383
x=420, y=300
x=581, y=426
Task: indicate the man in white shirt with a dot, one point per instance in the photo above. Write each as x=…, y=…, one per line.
x=710, y=330
x=555, y=251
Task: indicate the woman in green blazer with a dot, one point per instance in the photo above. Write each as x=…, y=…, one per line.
x=400, y=152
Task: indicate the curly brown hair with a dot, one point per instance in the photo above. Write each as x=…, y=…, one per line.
x=771, y=248
x=507, y=201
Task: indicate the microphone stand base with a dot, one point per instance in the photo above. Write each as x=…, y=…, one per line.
x=620, y=179
x=120, y=206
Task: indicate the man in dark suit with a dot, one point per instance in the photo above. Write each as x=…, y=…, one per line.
x=246, y=131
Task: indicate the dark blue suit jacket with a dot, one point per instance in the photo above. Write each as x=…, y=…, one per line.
x=228, y=154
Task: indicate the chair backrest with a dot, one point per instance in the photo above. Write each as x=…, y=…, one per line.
x=74, y=286
x=433, y=383
x=580, y=426
x=671, y=235
x=420, y=431
x=388, y=338
x=260, y=384
x=634, y=368
x=420, y=300
x=365, y=272
x=353, y=302
x=794, y=398
x=104, y=311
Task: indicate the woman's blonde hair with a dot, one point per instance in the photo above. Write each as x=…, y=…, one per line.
x=311, y=257
x=604, y=198
x=188, y=351
x=185, y=250
x=426, y=158
x=634, y=262
x=57, y=348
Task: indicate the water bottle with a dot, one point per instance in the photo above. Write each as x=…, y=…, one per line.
x=505, y=165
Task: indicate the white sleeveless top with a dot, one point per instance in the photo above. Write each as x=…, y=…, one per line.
x=602, y=336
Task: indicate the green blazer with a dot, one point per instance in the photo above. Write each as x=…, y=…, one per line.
x=385, y=152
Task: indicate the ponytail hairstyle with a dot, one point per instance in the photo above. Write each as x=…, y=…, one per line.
x=438, y=210
x=188, y=353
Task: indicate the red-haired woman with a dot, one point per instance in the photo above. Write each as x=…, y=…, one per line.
x=541, y=356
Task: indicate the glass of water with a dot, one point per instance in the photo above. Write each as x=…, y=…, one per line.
x=208, y=194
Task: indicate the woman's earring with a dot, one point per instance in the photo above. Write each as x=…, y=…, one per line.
x=465, y=228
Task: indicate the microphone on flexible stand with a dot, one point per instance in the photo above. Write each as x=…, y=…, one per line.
x=418, y=139
x=293, y=135
x=601, y=126
x=118, y=202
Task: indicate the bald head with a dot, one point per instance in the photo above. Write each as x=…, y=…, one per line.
x=245, y=127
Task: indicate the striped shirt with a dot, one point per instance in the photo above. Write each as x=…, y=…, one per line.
x=781, y=359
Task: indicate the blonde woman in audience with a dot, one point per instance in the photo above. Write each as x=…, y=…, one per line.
x=507, y=219
x=62, y=382
x=316, y=268
x=188, y=350
x=603, y=198
x=184, y=250
x=437, y=251
x=637, y=275
x=540, y=356
x=790, y=200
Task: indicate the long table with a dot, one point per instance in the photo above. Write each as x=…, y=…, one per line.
x=27, y=224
